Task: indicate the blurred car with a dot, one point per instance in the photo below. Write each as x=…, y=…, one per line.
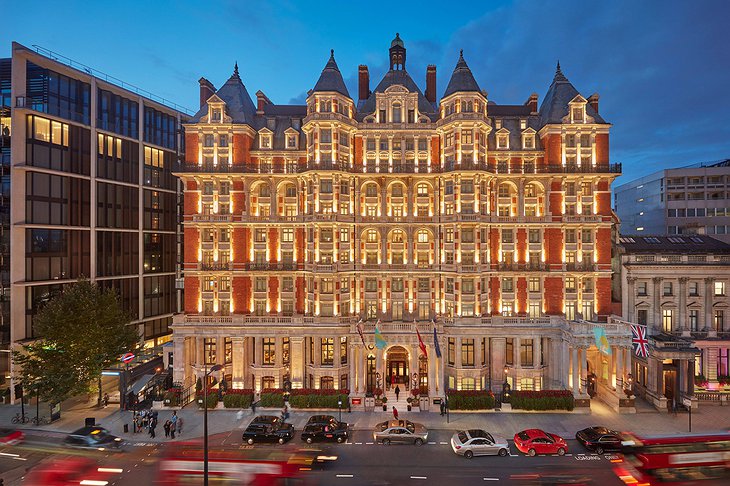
x=263, y=432
x=599, y=439
x=477, y=442
x=69, y=471
x=401, y=431
x=11, y=436
x=536, y=441
x=311, y=458
x=318, y=432
x=95, y=437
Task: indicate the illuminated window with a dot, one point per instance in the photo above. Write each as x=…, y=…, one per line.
x=719, y=289
x=397, y=236
x=467, y=352
x=287, y=235
x=328, y=351
x=422, y=189
x=667, y=320
x=423, y=238
x=372, y=236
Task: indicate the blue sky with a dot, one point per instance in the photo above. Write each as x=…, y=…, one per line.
x=662, y=68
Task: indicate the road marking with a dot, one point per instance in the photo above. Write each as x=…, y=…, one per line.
x=434, y=442
x=368, y=443
x=568, y=455
x=491, y=479
x=419, y=477
x=442, y=443
x=345, y=476
x=358, y=443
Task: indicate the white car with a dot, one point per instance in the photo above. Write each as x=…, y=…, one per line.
x=476, y=442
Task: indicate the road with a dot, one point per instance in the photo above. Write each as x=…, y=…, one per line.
x=360, y=462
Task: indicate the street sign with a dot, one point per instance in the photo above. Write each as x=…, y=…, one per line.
x=126, y=358
x=687, y=402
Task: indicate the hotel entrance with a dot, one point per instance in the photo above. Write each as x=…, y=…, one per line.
x=396, y=368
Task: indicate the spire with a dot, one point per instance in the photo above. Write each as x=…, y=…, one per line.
x=331, y=78
x=235, y=71
x=559, y=76
x=462, y=78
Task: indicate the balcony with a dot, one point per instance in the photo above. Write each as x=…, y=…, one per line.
x=215, y=266
x=582, y=218
x=273, y=267
x=580, y=267
x=212, y=218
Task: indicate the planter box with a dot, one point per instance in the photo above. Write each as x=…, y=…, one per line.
x=158, y=405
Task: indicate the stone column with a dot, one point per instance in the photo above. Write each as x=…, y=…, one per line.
x=584, y=369
x=433, y=388
x=238, y=361
x=497, y=360
x=516, y=355
x=258, y=351
x=536, y=352
x=297, y=361
x=657, y=307
x=457, y=358
x=574, y=375
x=179, y=358
x=631, y=299
x=619, y=361
x=683, y=323
x=708, y=304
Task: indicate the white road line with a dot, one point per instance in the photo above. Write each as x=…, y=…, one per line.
x=345, y=476
x=368, y=443
x=442, y=443
x=358, y=443
x=419, y=477
x=433, y=442
x=568, y=455
x=491, y=479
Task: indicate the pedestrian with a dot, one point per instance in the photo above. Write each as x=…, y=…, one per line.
x=443, y=408
x=253, y=406
x=179, y=425
x=153, y=424
x=397, y=392
x=173, y=419
x=166, y=426
x=392, y=379
x=173, y=427
x=105, y=400
x=395, y=413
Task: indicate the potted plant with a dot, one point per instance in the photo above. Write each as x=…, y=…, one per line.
x=409, y=400
x=384, y=400
x=377, y=393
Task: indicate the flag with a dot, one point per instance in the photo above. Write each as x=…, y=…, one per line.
x=379, y=341
x=601, y=340
x=420, y=341
x=359, y=331
x=436, y=347
x=639, y=339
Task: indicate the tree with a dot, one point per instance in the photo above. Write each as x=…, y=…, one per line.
x=83, y=330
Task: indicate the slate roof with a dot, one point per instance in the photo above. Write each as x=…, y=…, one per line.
x=511, y=121
x=555, y=104
x=462, y=80
x=391, y=78
x=239, y=105
x=331, y=78
x=279, y=124
x=681, y=244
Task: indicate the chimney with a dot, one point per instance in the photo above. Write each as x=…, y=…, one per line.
x=261, y=102
x=532, y=103
x=363, y=84
x=431, y=83
x=593, y=101
x=206, y=90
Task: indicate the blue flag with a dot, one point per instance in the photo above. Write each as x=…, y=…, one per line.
x=436, y=343
x=379, y=341
x=601, y=340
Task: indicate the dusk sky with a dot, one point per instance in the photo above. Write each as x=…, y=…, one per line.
x=662, y=68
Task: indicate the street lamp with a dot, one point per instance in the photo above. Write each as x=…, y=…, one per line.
x=215, y=367
x=339, y=407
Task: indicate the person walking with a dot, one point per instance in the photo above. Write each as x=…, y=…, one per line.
x=166, y=427
x=179, y=425
x=174, y=420
x=443, y=408
x=397, y=392
x=173, y=427
x=105, y=400
x=153, y=424
x=395, y=413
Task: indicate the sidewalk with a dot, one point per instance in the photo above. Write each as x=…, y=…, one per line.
x=645, y=422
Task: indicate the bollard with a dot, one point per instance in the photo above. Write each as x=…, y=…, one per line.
x=126, y=428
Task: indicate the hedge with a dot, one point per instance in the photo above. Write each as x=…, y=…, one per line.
x=212, y=399
x=172, y=397
x=317, y=401
x=543, y=400
x=272, y=398
x=470, y=400
x=238, y=398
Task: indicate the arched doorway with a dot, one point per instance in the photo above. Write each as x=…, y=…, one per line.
x=396, y=367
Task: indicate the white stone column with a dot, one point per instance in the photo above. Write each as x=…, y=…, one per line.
x=575, y=374
x=583, y=369
x=238, y=361
x=433, y=388
x=178, y=358
x=297, y=361
x=619, y=361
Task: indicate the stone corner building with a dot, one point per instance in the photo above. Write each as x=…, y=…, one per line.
x=399, y=207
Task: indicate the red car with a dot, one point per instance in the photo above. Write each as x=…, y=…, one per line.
x=11, y=436
x=536, y=441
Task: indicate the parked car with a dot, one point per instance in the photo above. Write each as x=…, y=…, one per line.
x=266, y=419
x=263, y=432
x=95, y=437
x=11, y=436
x=326, y=420
x=403, y=431
x=318, y=432
x=476, y=442
x=599, y=439
x=536, y=441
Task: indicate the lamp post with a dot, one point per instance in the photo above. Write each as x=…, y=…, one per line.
x=339, y=408
x=215, y=367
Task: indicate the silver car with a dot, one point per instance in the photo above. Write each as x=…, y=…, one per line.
x=476, y=442
x=403, y=431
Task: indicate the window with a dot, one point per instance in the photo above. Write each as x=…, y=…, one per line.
x=328, y=351
x=422, y=236
x=533, y=284
x=260, y=235
x=467, y=235
x=507, y=284
x=467, y=186
x=570, y=236
x=371, y=190
x=449, y=236
x=327, y=383
x=641, y=289
x=526, y=352
x=507, y=236
x=694, y=318
x=209, y=350
x=667, y=288
x=719, y=288
x=587, y=236
x=577, y=114
x=371, y=284
x=451, y=350
x=719, y=320
x=534, y=236
x=467, y=286
x=509, y=352
x=372, y=236
x=667, y=320
x=260, y=284
x=343, y=350
x=269, y=351
x=694, y=289
x=422, y=189
x=287, y=235
x=325, y=186
x=570, y=284
x=467, y=352
x=424, y=284
x=642, y=316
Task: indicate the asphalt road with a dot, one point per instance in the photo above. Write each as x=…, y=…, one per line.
x=360, y=462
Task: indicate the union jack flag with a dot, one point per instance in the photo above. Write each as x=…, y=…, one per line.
x=639, y=340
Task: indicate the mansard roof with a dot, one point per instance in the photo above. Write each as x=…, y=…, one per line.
x=462, y=79
x=239, y=105
x=392, y=78
x=331, y=78
x=555, y=106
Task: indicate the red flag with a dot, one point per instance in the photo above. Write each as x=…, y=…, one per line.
x=420, y=342
x=359, y=331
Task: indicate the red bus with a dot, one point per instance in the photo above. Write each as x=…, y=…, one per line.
x=183, y=465
x=675, y=460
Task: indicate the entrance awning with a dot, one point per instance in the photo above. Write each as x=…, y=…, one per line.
x=140, y=384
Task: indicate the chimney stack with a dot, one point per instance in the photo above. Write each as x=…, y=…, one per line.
x=363, y=86
x=431, y=83
x=206, y=90
x=532, y=103
x=593, y=101
x=261, y=102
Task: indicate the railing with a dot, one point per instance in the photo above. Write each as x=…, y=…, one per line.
x=216, y=266
x=269, y=267
x=212, y=218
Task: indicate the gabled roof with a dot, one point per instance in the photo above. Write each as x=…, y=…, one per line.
x=239, y=105
x=555, y=105
x=391, y=78
x=462, y=80
x=331, y=78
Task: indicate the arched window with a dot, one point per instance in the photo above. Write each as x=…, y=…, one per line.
x=423, y=236
x=397, y=190
x=397, y=118
x=371, y=190
x=372, y=236
x=397, y=236
x=264, y=190
x=422, y=189
x=530, y=190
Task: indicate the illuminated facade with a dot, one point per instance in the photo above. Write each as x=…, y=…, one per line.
x=302, y=220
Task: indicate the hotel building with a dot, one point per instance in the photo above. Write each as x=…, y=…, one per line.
x=492, y=220
x=93, y=193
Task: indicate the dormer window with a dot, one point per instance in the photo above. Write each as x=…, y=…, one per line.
x=523, y=124
x=397, y=118
x=529, y=141
x=265, y=141
x=291, y=141
x=215, y=115
x=502, y=141
x=497, y=124
x=577, y=114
